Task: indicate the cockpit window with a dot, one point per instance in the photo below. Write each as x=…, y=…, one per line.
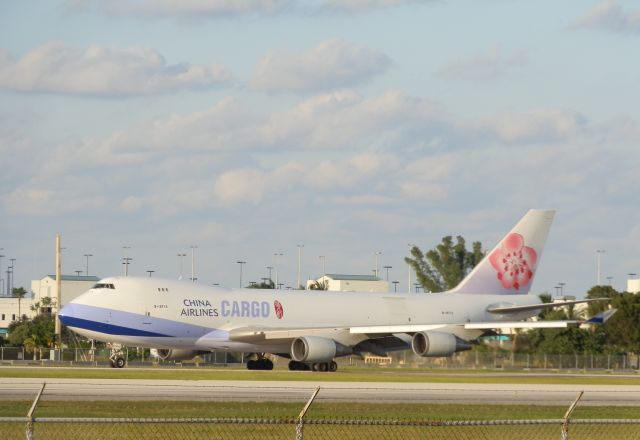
x=104, y=286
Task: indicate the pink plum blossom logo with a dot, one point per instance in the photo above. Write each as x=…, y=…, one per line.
x=279, y=310
x=514, y=262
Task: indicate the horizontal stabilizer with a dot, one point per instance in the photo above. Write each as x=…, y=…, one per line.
x=516, y=309
x=602, y=317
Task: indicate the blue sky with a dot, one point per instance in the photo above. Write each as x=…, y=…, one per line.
x=349, y=126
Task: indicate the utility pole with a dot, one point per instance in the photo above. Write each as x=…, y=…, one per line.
x=387, y=267
x=376, y=270
x=300, y=246
x=275, y=265
x=241, y=263
x=11, y=280
x=58, y=328
x=181, y=257
x=87, y=271
x=193, y=263
x=599, y=253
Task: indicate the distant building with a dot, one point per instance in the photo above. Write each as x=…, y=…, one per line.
x=72, y=287
x=11, y=309
x=351, y=283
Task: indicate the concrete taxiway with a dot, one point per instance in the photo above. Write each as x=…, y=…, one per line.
x=231, y=390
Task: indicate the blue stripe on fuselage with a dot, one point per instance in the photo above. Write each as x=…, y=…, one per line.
x=102, y=327
x=118, y=322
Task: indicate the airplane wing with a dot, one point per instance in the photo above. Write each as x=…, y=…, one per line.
x=515, y=309
x=259, y=334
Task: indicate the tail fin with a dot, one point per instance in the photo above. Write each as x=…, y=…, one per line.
x=510, y=267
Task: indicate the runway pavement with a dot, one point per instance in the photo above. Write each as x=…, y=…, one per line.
x=223, y=390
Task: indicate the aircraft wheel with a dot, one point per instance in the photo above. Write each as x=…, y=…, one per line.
x=315, y=366
x=120, y=362
x=323, y=366
x=333, y=366
x=112, y=363
x=268, y=365
x=251, y=365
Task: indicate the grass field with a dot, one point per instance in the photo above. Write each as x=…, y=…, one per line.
x=344, y=375
x=319, y=410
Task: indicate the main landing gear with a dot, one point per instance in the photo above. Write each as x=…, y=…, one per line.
x=317, y=366
x=116, y=356
x=262, y=363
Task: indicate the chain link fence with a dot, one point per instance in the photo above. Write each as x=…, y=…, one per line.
x=264, y=429
x=404, y=359
x=303, y=427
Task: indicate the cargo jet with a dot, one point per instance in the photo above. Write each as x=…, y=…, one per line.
x=312, y=328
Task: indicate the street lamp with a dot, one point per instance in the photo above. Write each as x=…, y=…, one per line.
x=269, y=268
x=126, y=259
x=300, y=246
x=11, y=279
x=376, y=255
x=561, y=285
x=193, y=263
x=150, y=272
x=609, y=278
x=87, y=255
x=387, y=267
x=181, y=257
x=599, y=253
x=411, y=245
x=241, y=263
x=1, y=279
x=275, y=265
x=78, y=272
x=395, y=286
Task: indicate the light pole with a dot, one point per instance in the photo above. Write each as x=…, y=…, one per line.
x=193, y=263
x=323, y=259
x=270, y=268
x=300, y=246
x=395, y=286
x=87, y=256
x=387, y=267
x=411, y=245
x=126, y=259
x=181, y=258
x=241, y=263
x=561, y=288
x=1, y=279
x=376, y=256
x=125, y=263
x=12, y=279
x=609, y=280
x=275, y=265
x=599, y=253
x=78, y=272
x=150, y=272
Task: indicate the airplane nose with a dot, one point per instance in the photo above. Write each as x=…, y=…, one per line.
x=66, y=314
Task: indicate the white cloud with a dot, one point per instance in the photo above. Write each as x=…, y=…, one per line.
x=537, y=125
x=103, y=71
x=197, y=10
x=330, y=65
x=491, y=64
x=610, y=16
x=359, y=6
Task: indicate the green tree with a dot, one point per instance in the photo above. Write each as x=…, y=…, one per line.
x=33, y=333
x=445, y=266
x=265, y=284
x=19, y=292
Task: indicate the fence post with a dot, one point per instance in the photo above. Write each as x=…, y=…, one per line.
x=29, y=432
x=565, y=424
x=300, y=425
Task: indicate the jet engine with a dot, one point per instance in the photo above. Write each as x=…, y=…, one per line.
x=437, y=344
x=176, y=354
x=317, y=349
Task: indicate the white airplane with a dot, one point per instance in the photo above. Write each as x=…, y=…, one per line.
x=312, y=328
